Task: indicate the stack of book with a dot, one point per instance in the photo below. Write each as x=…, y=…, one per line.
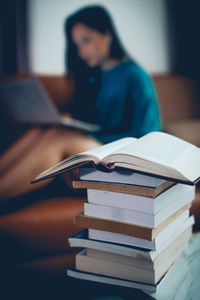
x=136, y=227
x=136, y=220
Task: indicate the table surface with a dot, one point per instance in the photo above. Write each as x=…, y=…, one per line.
x=183, y=279
x=181, y=282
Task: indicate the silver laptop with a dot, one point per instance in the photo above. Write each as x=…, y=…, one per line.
x=28, y=102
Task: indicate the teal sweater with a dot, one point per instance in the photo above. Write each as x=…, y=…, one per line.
x=126, y=103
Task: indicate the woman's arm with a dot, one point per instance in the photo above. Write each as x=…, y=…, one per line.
x=142, y=113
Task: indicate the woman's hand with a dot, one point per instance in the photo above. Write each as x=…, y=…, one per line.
x=67, y=115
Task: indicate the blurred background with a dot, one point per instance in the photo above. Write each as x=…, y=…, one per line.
x=162, y=35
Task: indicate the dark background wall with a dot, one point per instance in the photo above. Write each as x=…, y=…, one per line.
x=183, y=20
x=13, y=37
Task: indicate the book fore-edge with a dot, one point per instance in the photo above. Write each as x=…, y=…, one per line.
x=84, y=221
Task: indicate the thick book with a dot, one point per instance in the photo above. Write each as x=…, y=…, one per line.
x=175, y=194
x=160, y=241
x=147, y=191
x=73, y=272
x=141, y=262
x=138, y=231
x=115, y=266
x=81, y=240
x=28, y=102
x=156, y=154
x=139, y=217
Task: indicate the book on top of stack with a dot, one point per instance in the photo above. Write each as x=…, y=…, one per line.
x=136, y=220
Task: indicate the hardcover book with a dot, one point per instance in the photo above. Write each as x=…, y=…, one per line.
x=126, y=268
x=125, y=228
x=73, y=272
x=141, y=190
x=120, y=176
x=139, y=217
x=163, y=240
x=173, y=197
x=158, y=243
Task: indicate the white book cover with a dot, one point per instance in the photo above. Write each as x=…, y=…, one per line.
x=119, y=176
x=171, y=232
x=73, y=272
x=141, y=203
x=81, y=240
x=137, y=217
x=141, y=261
x=127, y=270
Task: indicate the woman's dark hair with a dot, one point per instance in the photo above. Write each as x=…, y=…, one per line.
x=97, y=18
x=87, y=80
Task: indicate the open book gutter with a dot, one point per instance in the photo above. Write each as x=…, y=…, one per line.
x=104, y=168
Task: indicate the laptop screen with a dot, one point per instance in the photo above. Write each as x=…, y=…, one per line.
x=28, y=102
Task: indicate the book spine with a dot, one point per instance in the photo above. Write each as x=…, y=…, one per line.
x=105, y=167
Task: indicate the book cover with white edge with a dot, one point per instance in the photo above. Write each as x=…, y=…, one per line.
x=139, y=260
x=121, y=270
x=140, y=203
x=73, y=272
x=162, y=239
x=119, y=176
x=183, y=222
x=137, y=217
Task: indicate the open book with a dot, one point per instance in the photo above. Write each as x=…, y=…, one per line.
x=27, y=102
x=157, y=154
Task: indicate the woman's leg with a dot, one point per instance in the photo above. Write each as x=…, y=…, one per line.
x=18, y=149
x=49, y=148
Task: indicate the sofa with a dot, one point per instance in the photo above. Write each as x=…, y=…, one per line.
x=34, y=236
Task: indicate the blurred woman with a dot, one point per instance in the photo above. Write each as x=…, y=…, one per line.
x=111, y=90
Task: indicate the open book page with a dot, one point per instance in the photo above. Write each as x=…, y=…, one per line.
x=189, y=163
x=158, y=147
x=110, y=148
x=94, y=155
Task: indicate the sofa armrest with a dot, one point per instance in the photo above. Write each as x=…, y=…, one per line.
x=178, y=97
x=187, y=130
